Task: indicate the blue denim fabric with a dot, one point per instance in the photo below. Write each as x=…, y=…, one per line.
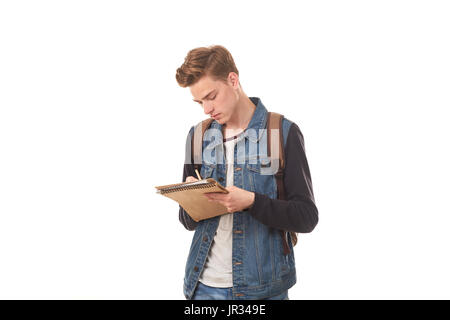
x=204, y=292
x=260, y=269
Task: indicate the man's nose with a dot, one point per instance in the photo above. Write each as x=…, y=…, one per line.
x=207, y=108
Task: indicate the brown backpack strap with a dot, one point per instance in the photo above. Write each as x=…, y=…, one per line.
x=197, y=142
x=275, y=121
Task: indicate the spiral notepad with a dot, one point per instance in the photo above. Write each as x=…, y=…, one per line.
x=189, y=196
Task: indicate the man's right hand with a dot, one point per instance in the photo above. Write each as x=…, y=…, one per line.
x=191, y=179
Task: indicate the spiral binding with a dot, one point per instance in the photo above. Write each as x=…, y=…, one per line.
x=182, y=188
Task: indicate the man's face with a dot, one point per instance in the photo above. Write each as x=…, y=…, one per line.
x=217, y=98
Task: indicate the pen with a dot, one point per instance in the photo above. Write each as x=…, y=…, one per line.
x=198, y=174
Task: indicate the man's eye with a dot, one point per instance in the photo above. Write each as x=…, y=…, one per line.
x=213, y=98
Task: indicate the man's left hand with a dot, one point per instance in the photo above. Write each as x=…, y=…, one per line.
x=236, y=199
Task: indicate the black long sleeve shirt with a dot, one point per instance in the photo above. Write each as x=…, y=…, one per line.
x=298, y=212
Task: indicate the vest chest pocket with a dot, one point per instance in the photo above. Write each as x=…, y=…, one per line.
x=207, y=170
x=260, y=181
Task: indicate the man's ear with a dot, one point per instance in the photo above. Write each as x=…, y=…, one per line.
x=233, y=78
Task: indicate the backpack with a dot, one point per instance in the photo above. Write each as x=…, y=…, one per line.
x=274, y=121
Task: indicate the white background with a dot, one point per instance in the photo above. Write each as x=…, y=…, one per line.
x=91, y=119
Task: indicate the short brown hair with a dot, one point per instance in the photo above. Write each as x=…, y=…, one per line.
x=215, y=61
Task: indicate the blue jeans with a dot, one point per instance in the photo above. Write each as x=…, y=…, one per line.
x=204, y=292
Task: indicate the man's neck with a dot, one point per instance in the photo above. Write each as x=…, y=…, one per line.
x=241, y=116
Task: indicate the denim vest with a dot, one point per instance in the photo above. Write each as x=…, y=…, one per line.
x=260, y=269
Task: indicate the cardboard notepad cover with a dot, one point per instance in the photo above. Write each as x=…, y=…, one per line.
x=189, y=196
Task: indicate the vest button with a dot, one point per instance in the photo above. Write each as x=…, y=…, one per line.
x=205, y=238
x=195, y=268
x=220, y=179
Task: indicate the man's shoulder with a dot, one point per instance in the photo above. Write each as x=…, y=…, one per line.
x=197, y=125
x=290, y=128
x=206, y=121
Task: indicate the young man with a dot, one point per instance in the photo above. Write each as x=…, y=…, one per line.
x=241, y=254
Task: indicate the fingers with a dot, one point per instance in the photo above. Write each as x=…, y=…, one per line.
x=214, y=195
x=219, y=198
x=191, y=179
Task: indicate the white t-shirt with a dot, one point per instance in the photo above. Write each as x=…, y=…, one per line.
x=218, y=271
